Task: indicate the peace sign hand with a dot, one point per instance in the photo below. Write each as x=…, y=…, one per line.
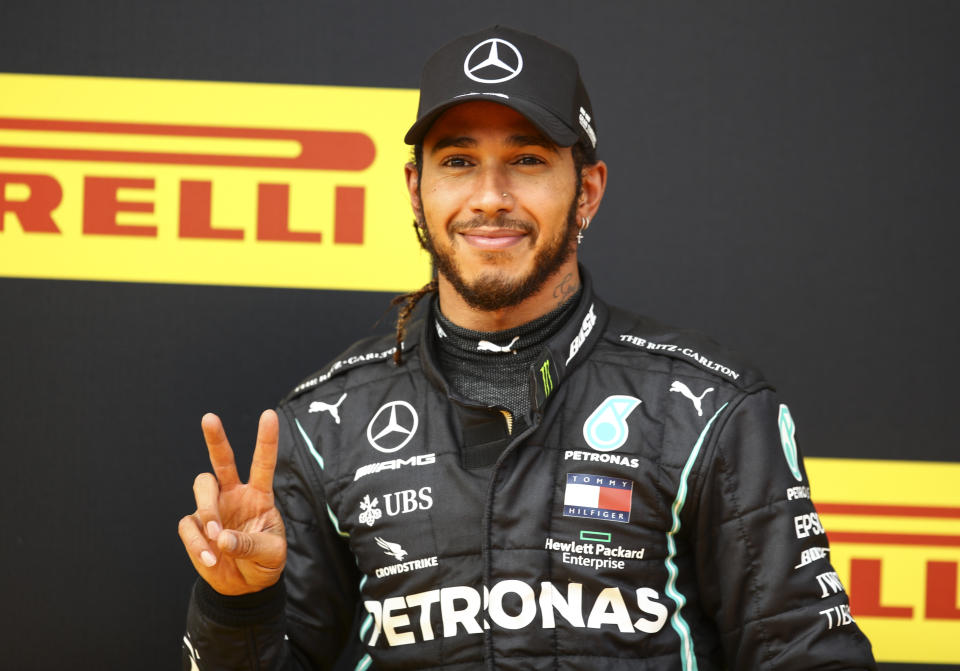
x=236, y=538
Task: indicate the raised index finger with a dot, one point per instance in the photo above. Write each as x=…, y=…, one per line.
x=265, y=453
x=221, y=455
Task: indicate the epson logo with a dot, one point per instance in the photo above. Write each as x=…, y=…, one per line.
x=807, y=524
x=467, y=608
x=395, y=464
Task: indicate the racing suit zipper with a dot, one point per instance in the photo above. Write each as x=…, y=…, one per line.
x=488, y=518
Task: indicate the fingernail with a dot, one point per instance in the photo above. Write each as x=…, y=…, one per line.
x=213, y=530
x=229, y=542
x=207, y=558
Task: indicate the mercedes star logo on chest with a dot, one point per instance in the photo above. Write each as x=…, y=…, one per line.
x=393, y=426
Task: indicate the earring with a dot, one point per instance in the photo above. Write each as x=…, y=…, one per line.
x=584, y=224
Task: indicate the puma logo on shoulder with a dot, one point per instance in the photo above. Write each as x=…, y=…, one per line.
x=680, y=387
x=334, y=409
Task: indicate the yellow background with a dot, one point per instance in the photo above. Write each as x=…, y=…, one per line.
x=388, y=260
x=903, y=577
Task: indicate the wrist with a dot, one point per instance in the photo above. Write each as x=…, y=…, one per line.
x=243, y=609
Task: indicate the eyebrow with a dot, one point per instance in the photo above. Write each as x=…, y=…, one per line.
x=467, y=142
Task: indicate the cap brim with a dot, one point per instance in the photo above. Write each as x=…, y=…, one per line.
x=539, y=116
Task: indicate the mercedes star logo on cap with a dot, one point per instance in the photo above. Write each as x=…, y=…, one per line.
x=493, y=68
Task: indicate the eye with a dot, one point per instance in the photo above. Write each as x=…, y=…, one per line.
x=529, y=160
x=456, y=162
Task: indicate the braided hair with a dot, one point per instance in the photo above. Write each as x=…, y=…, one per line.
x=408, y=302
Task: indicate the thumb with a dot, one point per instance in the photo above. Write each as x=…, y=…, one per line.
x=265, y=548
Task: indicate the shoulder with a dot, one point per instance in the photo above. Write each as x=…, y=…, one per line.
x=361, y=354
x=368, y=359
x=633, y=335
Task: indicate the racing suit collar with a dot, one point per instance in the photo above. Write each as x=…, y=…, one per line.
x=559, y=357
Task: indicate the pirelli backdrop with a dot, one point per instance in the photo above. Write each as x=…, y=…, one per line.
x=201, y=203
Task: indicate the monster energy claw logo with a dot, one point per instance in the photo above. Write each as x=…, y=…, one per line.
x=547, y=379
x=787, y=431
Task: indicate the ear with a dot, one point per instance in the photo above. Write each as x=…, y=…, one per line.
x=413, y=181
x=593, y=184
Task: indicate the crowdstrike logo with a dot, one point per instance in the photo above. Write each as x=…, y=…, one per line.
x=500, y=62
x=467, y=608
x=392, y=549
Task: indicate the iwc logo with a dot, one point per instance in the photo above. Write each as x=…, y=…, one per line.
x=493, y=61
x=393, y=426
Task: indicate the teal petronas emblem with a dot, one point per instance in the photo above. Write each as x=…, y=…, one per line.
x=789, y=442
x=606, y=428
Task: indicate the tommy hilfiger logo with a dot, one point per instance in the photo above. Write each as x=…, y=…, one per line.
x=597, y=497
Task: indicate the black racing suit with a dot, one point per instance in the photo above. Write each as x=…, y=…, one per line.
x=653, y=514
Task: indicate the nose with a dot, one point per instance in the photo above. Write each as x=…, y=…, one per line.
x=492, y=195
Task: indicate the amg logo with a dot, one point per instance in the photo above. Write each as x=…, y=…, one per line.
x=395, y=464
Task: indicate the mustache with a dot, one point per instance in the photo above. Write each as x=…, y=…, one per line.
x=501, y=222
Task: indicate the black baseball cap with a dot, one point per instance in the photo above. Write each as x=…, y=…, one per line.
x=502, y=65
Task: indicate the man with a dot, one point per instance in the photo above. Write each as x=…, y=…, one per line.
x=529, y=478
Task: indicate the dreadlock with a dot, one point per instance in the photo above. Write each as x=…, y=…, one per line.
x=583, y=155
x=408, y=302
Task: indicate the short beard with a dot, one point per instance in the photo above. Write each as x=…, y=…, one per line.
x=495, y=291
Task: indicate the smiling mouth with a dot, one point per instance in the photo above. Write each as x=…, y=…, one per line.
x=492, y=238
